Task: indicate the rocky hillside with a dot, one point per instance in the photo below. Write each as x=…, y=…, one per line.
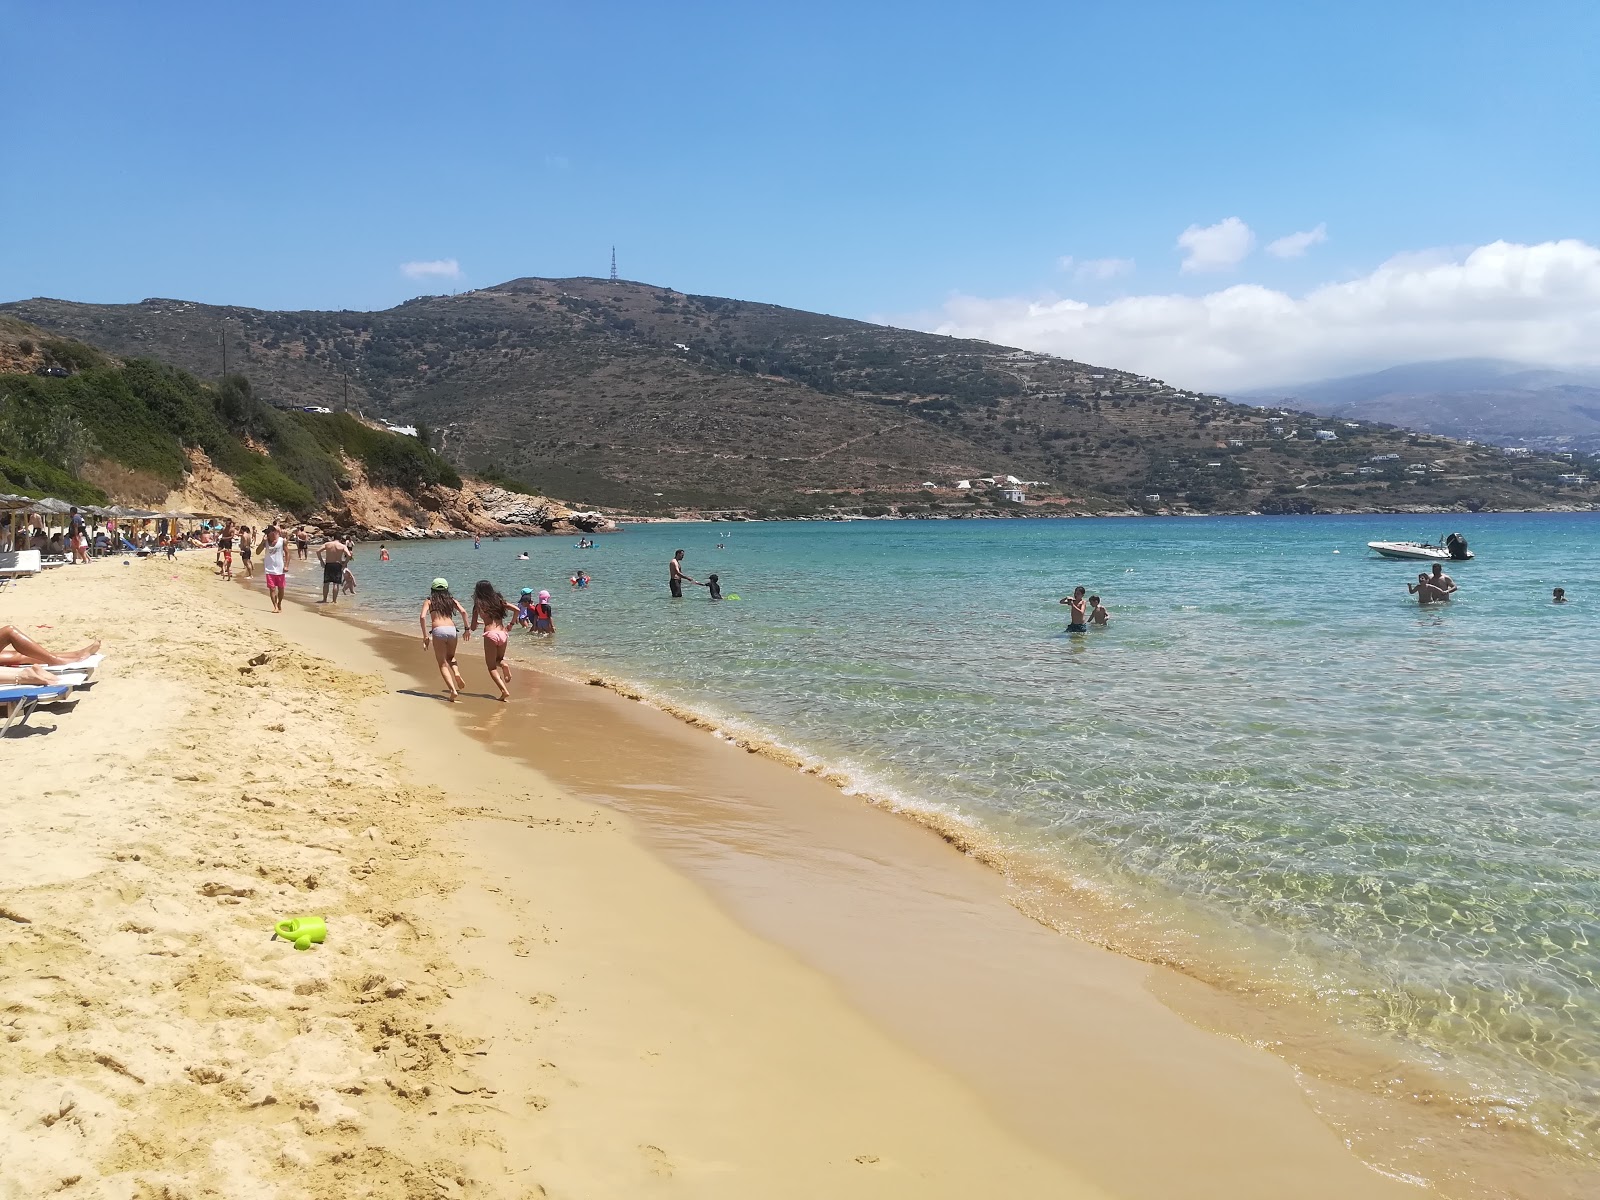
x=641, y=397
x=80, y=425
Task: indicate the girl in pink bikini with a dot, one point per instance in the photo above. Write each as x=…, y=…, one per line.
x=490, y=607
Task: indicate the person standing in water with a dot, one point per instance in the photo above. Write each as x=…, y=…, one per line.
x=1442, y=583
x=1077, y=612
x=490, y=607
x=333, y=554
x=675, y=576
x=274, y=565
x=438, y=618
x=1423, y=589
x=1098, y=616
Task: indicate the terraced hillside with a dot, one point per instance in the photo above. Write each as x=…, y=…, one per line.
x=642, y=397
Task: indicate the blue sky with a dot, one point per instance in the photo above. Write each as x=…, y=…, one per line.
x=910, y=162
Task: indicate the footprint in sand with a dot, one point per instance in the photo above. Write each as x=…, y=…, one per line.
x=656, y=1159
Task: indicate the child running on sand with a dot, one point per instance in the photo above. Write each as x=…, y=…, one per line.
x=438, y=618
x=490, y=607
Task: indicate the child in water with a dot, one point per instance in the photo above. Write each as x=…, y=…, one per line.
x=490, y=607
x=544, y=617
x=1097, y=612
x=439, y=632
x=714, y=587
x=1558, y=596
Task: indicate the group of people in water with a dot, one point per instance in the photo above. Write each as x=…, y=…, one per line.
x=1433, y=587
x=1084, y=612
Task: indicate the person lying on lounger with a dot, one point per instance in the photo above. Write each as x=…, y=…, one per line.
x=26, y=677
x=17, y=649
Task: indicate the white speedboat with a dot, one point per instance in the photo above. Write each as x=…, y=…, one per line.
x=1453, y=549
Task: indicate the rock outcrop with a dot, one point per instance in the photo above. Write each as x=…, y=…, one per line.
x=365, y=510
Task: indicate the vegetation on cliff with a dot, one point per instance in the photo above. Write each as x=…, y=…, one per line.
x=78, y=410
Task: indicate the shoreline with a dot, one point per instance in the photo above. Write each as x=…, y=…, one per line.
x=1412, y=1119
x=1389, y=1098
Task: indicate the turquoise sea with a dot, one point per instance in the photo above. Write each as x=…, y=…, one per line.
x=1273, y=767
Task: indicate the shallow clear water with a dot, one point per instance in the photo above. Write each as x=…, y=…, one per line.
x=1273, y=758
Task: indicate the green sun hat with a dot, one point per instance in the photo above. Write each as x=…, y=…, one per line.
x=441, y=585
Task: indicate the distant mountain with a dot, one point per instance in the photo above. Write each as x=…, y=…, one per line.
x=1487, y=399
x=647, y=399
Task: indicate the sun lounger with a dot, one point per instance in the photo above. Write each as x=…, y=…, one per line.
x=84, y=666
x=17, y=704
x=16, y=563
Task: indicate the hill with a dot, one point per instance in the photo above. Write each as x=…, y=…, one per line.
x=1489, y=399
x=641, y=397
x=80, y=425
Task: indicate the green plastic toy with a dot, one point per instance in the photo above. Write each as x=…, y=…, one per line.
x=301, y=931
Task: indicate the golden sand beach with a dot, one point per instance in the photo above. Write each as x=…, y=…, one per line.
x=529, y=988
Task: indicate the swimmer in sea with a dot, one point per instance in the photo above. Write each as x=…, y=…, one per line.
x=1077, y=614
x=1098, y=616
x=1558, y=596
x=523, y=557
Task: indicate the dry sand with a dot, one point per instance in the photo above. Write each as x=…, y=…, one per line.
x=519, y=997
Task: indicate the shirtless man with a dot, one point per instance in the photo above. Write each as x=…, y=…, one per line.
x=676, y=578
x=1442, y=583
x=333, y=555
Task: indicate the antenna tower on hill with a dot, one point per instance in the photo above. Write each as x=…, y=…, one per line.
x=613, y=264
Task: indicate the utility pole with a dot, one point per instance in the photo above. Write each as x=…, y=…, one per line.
x=347, y=391
x=613, y=264
x=224, y=349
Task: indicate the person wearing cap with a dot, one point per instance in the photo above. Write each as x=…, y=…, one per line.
x=438, y=619
x=525, y=603
x=543, y=616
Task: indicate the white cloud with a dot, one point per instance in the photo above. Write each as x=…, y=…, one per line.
x=1103, y=268
x=1216, y=247
x=438, y=268
x=1538, y=304
x=1295, y=245
x=1095, y=268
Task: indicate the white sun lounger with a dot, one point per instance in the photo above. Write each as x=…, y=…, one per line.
x=84, y=666
x=16, y=563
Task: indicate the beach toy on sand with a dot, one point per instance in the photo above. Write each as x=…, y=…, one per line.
x=301, y=931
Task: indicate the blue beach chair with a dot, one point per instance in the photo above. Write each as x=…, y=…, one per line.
x=17, y=704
